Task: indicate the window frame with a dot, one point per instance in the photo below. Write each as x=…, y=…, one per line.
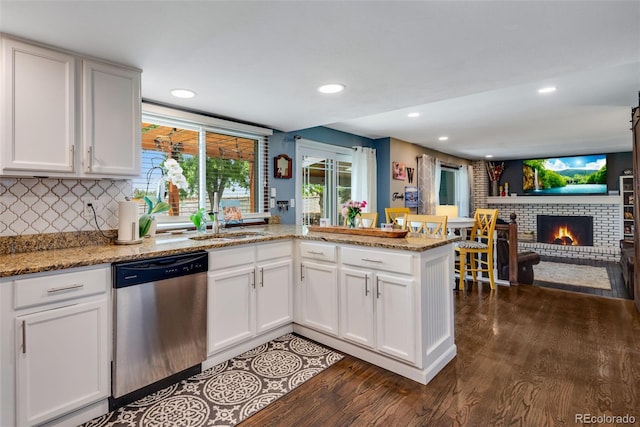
x=167, y=116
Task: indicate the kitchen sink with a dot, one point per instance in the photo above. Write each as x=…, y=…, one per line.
x=228, y=236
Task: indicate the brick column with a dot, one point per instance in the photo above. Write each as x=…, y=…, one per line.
x=480, y=185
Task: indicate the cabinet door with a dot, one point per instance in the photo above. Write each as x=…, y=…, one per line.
x=395, y=316
x=111, y=120
x=62, y=361
x=39, y=109
x=319, y=297
x=230, y=307
x=356, y=307
x=274, y=299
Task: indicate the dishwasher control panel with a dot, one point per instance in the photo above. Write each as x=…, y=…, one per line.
x=160, y=268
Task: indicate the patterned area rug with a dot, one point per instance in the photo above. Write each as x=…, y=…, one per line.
x=231, y=391
x=572, y=274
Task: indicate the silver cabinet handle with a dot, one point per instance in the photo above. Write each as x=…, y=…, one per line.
x=262, y=277
x=71, y=154
x=24, y=337
x=372, y=260
x=89, y=158
x=301, y=272
x=254, y=279
x=65, y=288
x=316, y=252
x=366, y=285
x=378, y=287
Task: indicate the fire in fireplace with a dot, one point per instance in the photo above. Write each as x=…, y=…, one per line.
x=565, y=230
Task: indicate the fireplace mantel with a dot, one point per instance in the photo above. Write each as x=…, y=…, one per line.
x=556, y=200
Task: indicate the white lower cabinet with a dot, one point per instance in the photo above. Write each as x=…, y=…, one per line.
x=319, y=296
x=274, y=299
x=230, y=307
x=56, y=338
x=249, y=293
x=396, y=324
x=395, y=307
x=377, y=311
x=356, y=311
x=61, y=361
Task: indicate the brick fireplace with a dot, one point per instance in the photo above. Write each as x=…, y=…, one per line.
x=604, y=212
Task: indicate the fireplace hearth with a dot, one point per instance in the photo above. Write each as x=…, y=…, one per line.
x=565, y=230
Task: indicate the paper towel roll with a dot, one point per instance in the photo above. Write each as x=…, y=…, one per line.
x=128, y=227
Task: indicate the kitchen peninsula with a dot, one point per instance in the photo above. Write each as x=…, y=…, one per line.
x=388, y=301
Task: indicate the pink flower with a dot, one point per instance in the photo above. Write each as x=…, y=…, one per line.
x=352, y=208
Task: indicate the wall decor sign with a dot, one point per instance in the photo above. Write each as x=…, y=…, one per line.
x=399, y=171
x=410, y=174
x=410, y=197
x=282, y=166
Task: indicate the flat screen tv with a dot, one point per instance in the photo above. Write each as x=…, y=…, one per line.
x=565, y=175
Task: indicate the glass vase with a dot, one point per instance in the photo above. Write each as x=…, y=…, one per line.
x=202, y=227
x=351, y=221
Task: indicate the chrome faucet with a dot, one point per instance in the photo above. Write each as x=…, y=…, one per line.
x=215, y=227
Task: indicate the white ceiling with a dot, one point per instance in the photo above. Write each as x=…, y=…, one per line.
x=471, y=68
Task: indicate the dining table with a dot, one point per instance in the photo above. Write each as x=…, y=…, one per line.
x=461, y=223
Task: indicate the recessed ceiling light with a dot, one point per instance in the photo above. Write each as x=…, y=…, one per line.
x=548, y=89
x=488, y=156
x=183, y=93
x=443, y=138
x=331, y=88
x=412, y=115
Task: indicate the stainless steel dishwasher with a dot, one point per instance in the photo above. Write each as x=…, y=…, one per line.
x=160, y=323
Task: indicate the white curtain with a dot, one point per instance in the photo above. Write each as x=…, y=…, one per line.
x=364, y=177
x=471, y=187
x=437, y=177
x=463, y=191
x=426, y=187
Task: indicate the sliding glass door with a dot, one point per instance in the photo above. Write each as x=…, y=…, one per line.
x=323, y=182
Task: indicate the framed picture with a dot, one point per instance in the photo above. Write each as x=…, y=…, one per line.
x=399, y=171
x=282, y=166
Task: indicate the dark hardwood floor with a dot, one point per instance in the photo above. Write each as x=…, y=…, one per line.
x=527, y=356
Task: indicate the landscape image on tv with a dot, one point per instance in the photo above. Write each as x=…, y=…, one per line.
x=565, y=175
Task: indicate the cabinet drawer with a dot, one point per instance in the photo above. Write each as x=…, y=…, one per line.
x=53, y=287
x=274, y=250
x=224, y=258
x=318, y=251
x=378, y=260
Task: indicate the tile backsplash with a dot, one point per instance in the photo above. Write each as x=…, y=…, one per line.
x=50, y=205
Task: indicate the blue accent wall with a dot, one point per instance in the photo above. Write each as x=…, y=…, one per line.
x=383, y=163
x=284, y=143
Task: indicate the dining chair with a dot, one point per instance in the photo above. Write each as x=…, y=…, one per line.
x=365, y=220
x=450, y=211
x=478, y=248
x=392, y=215
x=427, y=225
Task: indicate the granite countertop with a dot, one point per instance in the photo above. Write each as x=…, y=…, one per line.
x=170, y=244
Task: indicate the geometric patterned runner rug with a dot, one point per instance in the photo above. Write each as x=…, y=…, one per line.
x=230, y=391
x=572, y=274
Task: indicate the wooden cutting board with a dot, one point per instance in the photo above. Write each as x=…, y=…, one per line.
x=375, y=232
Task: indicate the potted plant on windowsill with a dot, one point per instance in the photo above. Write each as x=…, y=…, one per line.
x=171, y=172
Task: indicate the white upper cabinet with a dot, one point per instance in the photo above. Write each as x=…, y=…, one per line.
x=67, y=116
x=111, y=119
x=38, y=110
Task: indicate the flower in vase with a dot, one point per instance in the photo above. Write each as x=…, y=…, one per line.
x=495, y=171
x=351, y=209
x=171, y=172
